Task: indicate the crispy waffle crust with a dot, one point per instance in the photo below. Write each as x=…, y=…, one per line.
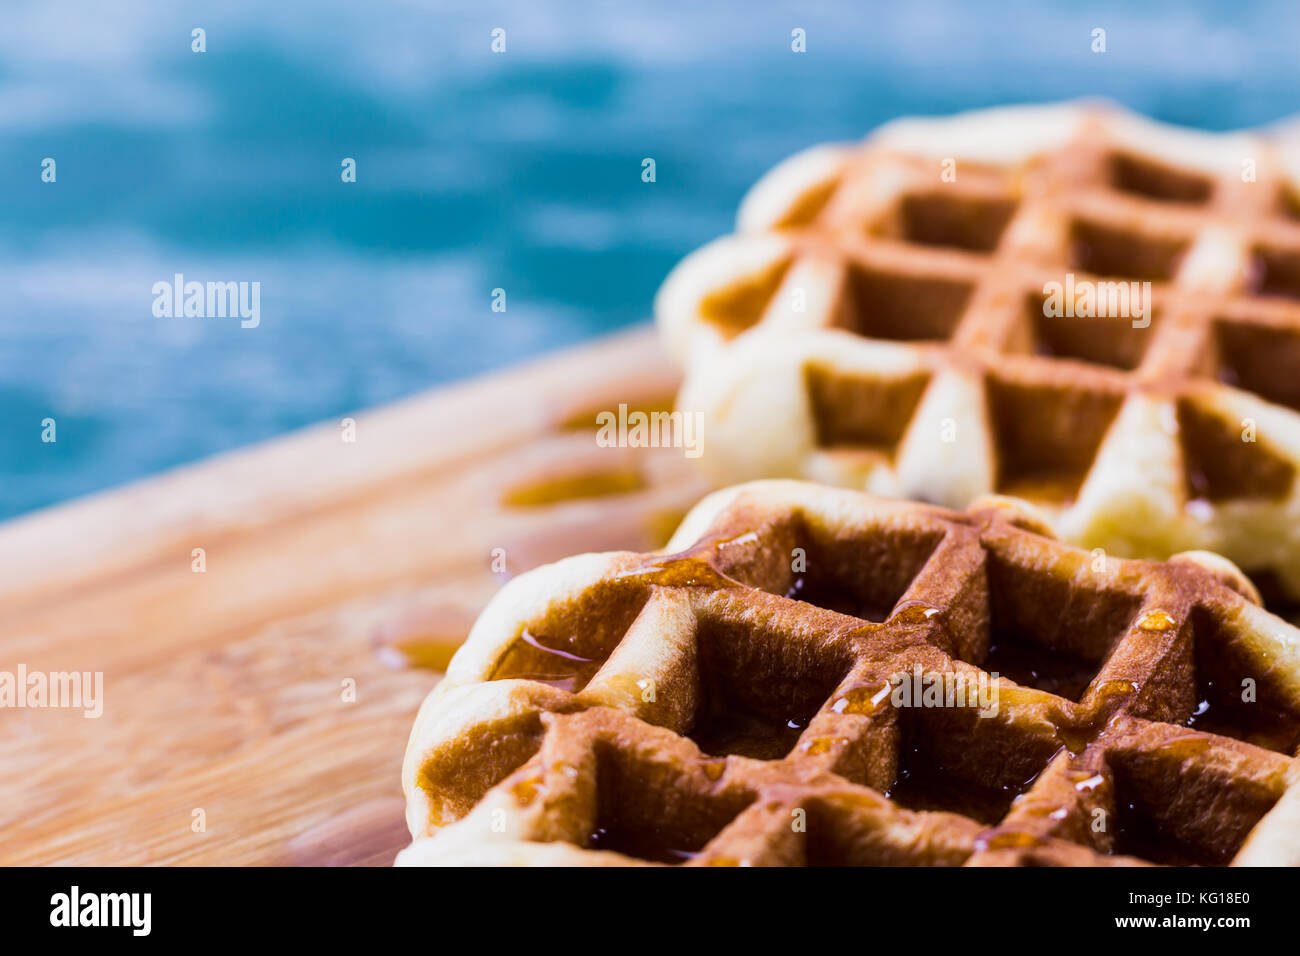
x=738, y=701
x=878, y=324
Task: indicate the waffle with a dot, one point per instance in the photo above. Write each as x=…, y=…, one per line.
x=731, y=702
x=874, y=325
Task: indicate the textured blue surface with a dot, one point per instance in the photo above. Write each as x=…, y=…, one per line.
x=476, y=171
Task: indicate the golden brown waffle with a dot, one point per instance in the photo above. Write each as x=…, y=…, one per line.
x=877, y=326
x=730, y=703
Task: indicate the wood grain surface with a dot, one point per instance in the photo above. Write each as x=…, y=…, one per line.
x=327, y=562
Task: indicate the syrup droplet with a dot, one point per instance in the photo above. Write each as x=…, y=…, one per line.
x=532, y=641
x=532, y=659
x=1076, y=739
x=680, y=572
x=1115, y=688
x=914, y=612
x=1009, y=840
x=1156, y=620
x=714, y=769
x=861, y=699
x=819, y=745
x=526, y=790
x=1092, y=783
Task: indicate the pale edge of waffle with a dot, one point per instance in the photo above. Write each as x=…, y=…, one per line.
x=502, y=769
x=832, y=206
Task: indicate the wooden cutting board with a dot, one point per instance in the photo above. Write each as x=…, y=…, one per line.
x=228, y=735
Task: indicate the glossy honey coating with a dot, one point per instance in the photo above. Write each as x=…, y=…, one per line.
x=803, y=678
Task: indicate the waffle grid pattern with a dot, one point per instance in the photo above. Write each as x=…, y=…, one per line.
x=874, y=326
x=730, y=703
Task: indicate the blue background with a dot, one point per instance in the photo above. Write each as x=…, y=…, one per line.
x=475, y=171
